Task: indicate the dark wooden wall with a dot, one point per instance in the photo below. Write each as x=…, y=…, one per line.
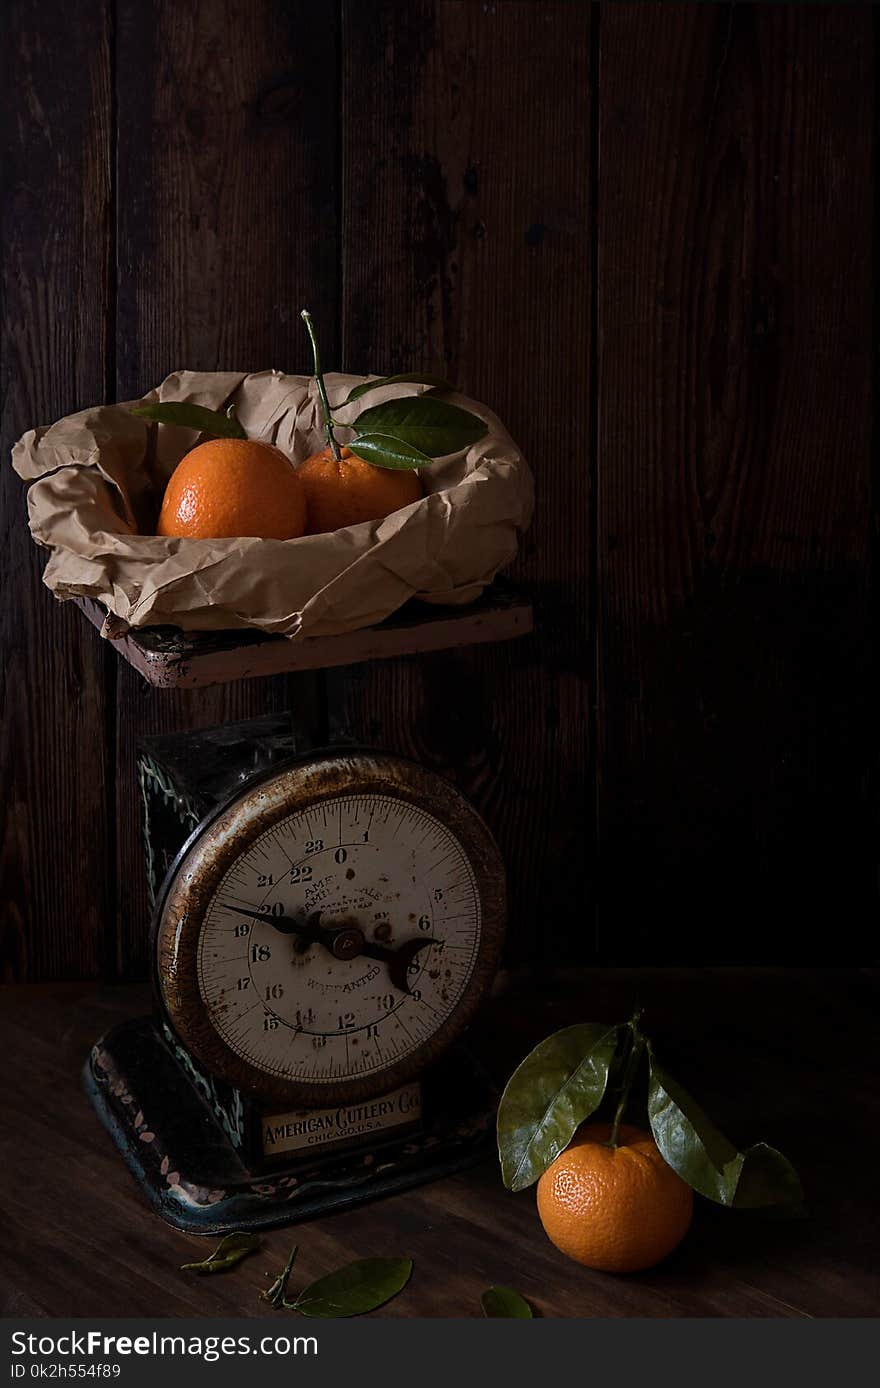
x=643, y=234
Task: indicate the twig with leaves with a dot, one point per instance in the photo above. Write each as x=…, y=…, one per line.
x=564, y=1080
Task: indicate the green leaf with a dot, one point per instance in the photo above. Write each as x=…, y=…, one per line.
x=423, y=422
x=504, y=1301
x=355, y=1289
x=357, y=391
x=187, y=416
x=228, y=1252
x=758, y=1178
x=768, y=1181
x=382, y=450
x=559, y=1084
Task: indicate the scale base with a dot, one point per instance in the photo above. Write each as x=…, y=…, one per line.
x=194, y=1178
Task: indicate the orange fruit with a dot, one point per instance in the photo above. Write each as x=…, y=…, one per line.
x=618, y=1209
x=229, y=487
x=350, y=491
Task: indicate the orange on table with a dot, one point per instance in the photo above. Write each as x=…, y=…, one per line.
x=348, y=491
x=618, y=1209
x=234, y=487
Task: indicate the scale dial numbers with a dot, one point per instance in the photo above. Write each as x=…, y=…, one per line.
x=285, y=1004
x=315, y=947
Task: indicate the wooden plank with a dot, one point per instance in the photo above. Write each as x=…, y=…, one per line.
x=171, y=659
x=227, y=227
x=736, y=728
x=467, y=250
x=56, y=137
x=467, y=1232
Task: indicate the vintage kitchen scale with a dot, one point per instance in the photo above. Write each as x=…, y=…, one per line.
x=326, y=923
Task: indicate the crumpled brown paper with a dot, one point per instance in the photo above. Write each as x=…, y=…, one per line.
x=97, y=480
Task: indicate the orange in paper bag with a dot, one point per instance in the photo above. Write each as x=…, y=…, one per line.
x=347, y=490
x=234, y=487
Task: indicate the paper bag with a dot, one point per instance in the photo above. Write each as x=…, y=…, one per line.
x=97, y=480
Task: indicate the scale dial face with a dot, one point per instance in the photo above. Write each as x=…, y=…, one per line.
x=331, y=930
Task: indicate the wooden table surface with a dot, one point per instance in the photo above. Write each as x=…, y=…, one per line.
x=784, y=1056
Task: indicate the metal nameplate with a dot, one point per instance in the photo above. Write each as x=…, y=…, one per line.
x=311, y=1129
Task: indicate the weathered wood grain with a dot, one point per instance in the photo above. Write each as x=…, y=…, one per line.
x=762, y=1067
x=56, y=319
x=736, y=727
x=429, y=178
x=171, y=659
x=228, y=118
x=466, y=168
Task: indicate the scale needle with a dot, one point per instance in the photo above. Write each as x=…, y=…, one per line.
x=345, y=942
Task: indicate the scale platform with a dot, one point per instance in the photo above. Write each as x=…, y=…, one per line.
x=172, y=659
x=175, y=1145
